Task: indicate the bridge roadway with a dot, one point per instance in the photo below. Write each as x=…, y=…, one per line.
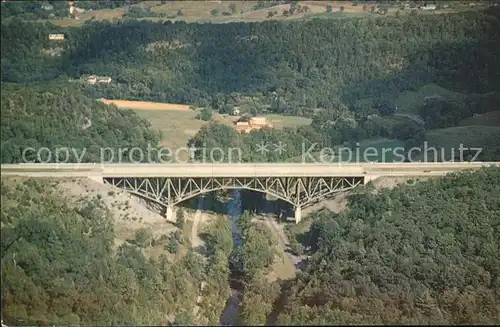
x=373, y=170
x=362, y=172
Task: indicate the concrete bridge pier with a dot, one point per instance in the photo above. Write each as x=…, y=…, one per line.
x=170, y=213
x=298, y=214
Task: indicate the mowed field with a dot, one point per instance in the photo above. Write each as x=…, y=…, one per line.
x=146, y=105
x=177, y=123
x=491, y=118
x=410, y=101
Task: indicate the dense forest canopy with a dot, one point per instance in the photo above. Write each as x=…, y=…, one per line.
x=345, y=74
x=33, y=10
x=104, y=4
x=60, y=265
x=305, y=64
x=56, y=116
x=425, y=252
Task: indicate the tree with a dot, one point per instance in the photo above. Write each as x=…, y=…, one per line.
x=217, y=287
x=180, y=218
x=172, y=245
x=254, y=111
x=258, y=250
x=143, y=237
x=214, y=12
x=178, y=236
x=180, y=12
x=96, y=266
x=258, y=301
x=244, y=221
x=232, y=7
x=185, y=318
x=341, y=8
x=357, y=241
x=372, y=9
x=205, y=114
x=218, y=237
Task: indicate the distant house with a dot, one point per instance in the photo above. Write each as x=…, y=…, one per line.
x=75, y=10
x=258, y=121
x=255, y=123
x=93, y=79
x=104, y=79
x=243, y=127
x=428, y=7
x=47, y=6
x=56, y=37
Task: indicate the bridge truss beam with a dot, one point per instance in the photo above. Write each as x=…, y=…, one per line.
x=298, y=191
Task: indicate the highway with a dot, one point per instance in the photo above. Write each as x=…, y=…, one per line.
x=239, y=170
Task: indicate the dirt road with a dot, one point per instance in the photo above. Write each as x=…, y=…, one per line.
x=196, y=241
x=277, y=230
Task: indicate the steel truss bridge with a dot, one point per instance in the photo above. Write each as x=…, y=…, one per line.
x=298, y=184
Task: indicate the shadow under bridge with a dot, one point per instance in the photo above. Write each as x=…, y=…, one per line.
x=298, y=191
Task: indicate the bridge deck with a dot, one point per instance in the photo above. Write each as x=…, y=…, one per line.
x=239, y=170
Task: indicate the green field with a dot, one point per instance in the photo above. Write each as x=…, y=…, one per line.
x=470, y=136
x=410, y=101
x=491, y=118
x=374, y=150
x=369, y=150
x=177, y=126
x=280, y=121
x=448, y=141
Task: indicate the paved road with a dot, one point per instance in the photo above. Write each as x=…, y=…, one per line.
x=238, y=170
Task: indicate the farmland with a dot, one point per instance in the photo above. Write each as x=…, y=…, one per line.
x=146, y=105
x=218, y=12
x=178, y=123
x=213, y=11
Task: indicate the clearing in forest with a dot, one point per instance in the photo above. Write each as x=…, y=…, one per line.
x=146, y=105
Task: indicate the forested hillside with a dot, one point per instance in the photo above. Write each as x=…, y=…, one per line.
x=57, y=116
x=425, y=252
x=357, y=78
x=60, y=265
x=296, y=66
x=421, y=253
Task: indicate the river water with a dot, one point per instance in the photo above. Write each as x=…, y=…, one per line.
x=234, y=210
